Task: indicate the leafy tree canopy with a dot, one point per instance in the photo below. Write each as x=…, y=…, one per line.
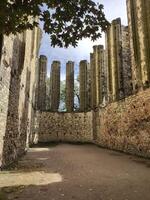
x=67, y=21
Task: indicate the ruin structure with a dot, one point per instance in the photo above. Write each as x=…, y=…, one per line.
x=18, y=82
x=114, y=91
x=139, y=27
x=83, y=85
x=70, y=86
x=88, y=86
x=42, y=69
x=55, y=86
x=98, y=76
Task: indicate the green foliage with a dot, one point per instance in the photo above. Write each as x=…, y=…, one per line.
x=67, y=21
x=63, y=95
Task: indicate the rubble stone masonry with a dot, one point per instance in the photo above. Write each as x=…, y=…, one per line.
x=65, y=127
x=122, y=126
x=122, y=123
x=125, y=125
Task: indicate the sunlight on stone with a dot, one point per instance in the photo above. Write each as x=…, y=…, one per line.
x=39, y=149
x=42, y=159
x=33, y=178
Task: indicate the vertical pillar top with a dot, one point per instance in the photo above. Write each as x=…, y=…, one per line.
x=70, y=62
x=95, y=47
x=56, y=62
x=43, y=57
x=83, y=61
x=116, y=21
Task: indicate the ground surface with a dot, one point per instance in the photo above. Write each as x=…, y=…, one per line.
x=76, y=172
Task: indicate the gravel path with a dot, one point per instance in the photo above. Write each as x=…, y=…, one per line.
x=76, y=172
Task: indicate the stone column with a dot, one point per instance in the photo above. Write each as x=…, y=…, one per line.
x=126, y=61
x=70, y=86
x=55, y=86
x=96, y=50
x=139, y=26
x=88, y=86
x=98, y=71
x=83, y=85
x=93, y=81
x=108, y=63
x=42, y=83
x=114, y=63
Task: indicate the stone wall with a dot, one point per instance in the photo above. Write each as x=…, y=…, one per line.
x=66, y=127
x=17, y=86
x=5, y=69
x=125, y=125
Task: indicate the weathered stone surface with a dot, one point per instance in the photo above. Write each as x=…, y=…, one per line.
x=70, y=86
x=83, y=79
x=89, y=93
x=93, y=82
x=139, y=27
x=66, y=127
x=122, y=125
x=41, y=102
x=126, y=62
x=125, y=125
x=18, y=65
x=114, y=55
x=98, y=76
x=55, y=86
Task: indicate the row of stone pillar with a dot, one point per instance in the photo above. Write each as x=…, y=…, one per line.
x=111, y=75
x=69, y=95
x=54, y=100
x=126, y=62
x=115, y=72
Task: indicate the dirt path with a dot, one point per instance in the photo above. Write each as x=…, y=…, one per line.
x=76, y=172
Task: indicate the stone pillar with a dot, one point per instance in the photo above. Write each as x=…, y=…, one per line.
x=126, y=61
x=88, y=86
x=139, y=26
x=42, y=83
x=55, y=86
x=70, y=86
x=97, y=79
x=114, y=63
x=97, y=73
x=108, y=63
x=83, y=85
x=93, y=81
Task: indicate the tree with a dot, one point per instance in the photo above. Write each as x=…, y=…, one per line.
x=63, y=95
x=67, y=21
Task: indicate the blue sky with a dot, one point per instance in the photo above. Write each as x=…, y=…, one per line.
x=112, y=8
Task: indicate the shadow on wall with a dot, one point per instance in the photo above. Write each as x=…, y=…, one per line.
x=16, y=129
